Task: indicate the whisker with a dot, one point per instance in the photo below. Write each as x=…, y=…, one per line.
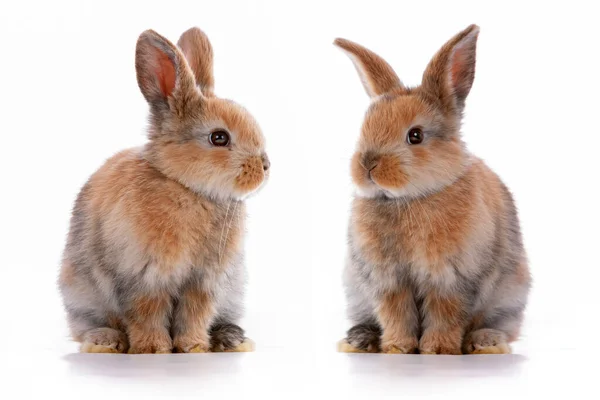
x=223, y=230
x=228, y=228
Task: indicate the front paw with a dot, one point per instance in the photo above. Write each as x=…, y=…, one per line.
x=440, y=343
x=406, y=345
x=191, y=345
x=151, y=347
x=150, y=343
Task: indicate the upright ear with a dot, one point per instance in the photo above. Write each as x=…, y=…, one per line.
x=199, y=54
x=450, y=73
x=375, y=73
x=163, y=75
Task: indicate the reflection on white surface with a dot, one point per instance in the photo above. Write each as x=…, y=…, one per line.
x=413, y=366
x=157, y=366
x=274, y=373
x=194, y=365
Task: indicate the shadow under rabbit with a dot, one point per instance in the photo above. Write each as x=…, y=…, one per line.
x=414, y=365
x=150, y=365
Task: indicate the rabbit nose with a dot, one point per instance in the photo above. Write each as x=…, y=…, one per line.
x=266, y=162
x=369, y=161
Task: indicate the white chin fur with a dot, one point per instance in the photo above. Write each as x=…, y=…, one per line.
x=245, y=196
x=222, y=192
x=368, y=193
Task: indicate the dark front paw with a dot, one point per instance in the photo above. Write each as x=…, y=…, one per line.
x=365, y=337
x=225, y=337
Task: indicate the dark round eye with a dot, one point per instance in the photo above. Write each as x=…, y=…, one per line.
x=219, y=138
x=415, y=136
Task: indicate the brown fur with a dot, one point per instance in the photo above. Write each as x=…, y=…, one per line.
x=400, y=321
x=441, y=342
x=116, y=322
x=170, y=206
x=162, y=72
x=445, y=321
x=195, y=309
x=431, y=227
x=434, y=234
x=199, y=53
x=147, y=320
x=458, y=54
x=252, y=173
x=378, y=76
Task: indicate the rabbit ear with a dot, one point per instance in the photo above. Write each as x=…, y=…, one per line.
x=450, y=73
x=376, y=74
x=163, y=75
x=197, y=50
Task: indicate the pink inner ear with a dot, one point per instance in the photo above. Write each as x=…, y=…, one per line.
x=165, y=73
x=459, y=63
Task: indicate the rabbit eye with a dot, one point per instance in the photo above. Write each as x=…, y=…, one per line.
x=415, y=136
x=219, y=138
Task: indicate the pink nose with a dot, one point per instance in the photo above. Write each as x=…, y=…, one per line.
x=369, y=161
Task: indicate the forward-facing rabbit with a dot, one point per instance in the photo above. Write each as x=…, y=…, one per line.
x=436, y=262
x=154, y=257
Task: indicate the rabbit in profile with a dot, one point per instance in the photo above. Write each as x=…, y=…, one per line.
x=154, y=256
x=436, y=263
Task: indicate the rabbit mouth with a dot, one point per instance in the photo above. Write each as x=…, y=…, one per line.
x=371, y=189
x=251, y=193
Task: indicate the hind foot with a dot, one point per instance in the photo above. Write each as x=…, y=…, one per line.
x=247, y=346
x=486, y=341
x=362, y=338
x=229, y=338
x=104, y=340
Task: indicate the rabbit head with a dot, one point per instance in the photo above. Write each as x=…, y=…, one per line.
x=410, y=142
x=211, y=145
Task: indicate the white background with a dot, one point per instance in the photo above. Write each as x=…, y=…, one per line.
x=69, y=100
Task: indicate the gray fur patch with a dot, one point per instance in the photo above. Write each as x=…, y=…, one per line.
x=365, y=337
x=225, y=337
